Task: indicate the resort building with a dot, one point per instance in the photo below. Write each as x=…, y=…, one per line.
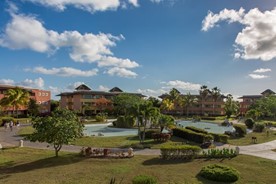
x=42, y=98
x=204, y=106
x=87, y=101
x=248, y=100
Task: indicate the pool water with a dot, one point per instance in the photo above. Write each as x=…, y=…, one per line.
x=209, y=127
x=105, y=131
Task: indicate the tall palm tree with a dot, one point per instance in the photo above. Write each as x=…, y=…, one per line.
x=188, y=100
x=215, y=95
x=15, y=98
x=174, y=97
x=204, y=92
x=167, y=105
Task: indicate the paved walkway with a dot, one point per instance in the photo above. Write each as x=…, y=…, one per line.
x=10, y=138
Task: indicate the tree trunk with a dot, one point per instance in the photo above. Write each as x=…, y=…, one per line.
x=57, y=148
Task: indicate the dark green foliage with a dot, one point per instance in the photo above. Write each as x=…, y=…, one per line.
x=240, y=130
x=258, y=127
x=101, y=117
x=33, y=108
x=184, y=152
x=219, y=173
x=208, y=118
x=144, y=179
x=249, y=123
x=220, y=137
x=7, y=120
x=125, y=122
x=191, y=135
x=198, y=130
x=149, y=133
x=220, y=153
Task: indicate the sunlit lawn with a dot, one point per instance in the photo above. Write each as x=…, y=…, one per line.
x=247, y=139
x=33, y=166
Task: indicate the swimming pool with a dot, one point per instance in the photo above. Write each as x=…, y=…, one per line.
x=210, y=127
x=106, y=131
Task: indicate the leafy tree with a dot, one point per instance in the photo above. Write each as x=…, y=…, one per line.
x=167, y=105
x=165, y=121
x=155, y=102
x=33, y=108
x=15, y=98
x=231, y=106
x=187, y=101
x=123, y=102
x=266, y=107
x=54, y=105
x=215, y=95
x=204, y=92
x=60, y=128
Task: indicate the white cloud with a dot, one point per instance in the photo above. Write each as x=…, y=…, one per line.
x=181, y=85
x=65, y=72
x=225, y=15
x=121, y=72
x=103, y=88
x=134, y=2
x=87, y=5
x=72, y=87
x=262, y=70
x=156, y=1
x=257, y=40
x=256, y=76
x=152, y=92
x=27, y=32
x=36, y=83
x=117, y=62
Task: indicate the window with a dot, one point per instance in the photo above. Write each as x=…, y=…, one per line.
x=87, y=96
x=39, y=93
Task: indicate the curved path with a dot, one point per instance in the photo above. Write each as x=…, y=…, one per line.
x=10, y=138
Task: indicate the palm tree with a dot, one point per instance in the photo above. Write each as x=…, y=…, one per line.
x=231, y=106
x=204, y=91
x=215, y=95
x=167, y=105
x=15, y=98
x=188, y=100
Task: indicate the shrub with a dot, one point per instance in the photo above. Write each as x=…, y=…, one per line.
x=144, y=179
x=130, y=121
x=185, y=152
x=7, y=120
x=198, y=130
x=148, y=134
x=120, y=123
x=208, y=118
x=191, y=135
x=220, y=137
x=101, y=117
x=219, y=173
x=220, y=153
x=249, y=123
x=258, y=127
x=240, y=129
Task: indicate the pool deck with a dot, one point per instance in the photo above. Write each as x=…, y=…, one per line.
x=10, y=138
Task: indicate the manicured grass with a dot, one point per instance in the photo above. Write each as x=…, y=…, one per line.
x=247, y=139
x=33, y=166
x=24, y=131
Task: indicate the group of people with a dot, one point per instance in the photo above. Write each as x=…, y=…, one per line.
x=11, y=124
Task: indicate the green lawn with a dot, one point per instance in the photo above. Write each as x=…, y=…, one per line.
x=34, y=166
x=246, y=140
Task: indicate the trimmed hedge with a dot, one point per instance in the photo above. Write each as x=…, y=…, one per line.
x=220, y=153
x=240, y=129
x=148, y=134
x=198, y=130
x=219, y=173
x=184, y=152
x=220, y=137
x=191, y=135
x=249, y=123
x=208, y=118
x=144, y=179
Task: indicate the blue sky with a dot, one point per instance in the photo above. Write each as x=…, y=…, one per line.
x=146, y=46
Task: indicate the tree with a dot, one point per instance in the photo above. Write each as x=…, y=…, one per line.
x=165, y=120
x=123, y=102
x=155, y=102
x=33, y=108
x=266, y=107
x=15, y=98
x=54, y=105
x=167, y=105
x=60, y=128
x=187, y=101
x=231, y=106
x=215, y=95
x=204, y=92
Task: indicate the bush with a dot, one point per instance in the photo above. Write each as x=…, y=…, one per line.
x=184, y=152
x=220, y=153
x=148, y=134
x=191, y=135
x=130, y=121
x=101, y=117
x=125, y=122
x=220, y=137
x=240, y=130
x=208, y=118
x=258, y=127
x=219, y=173
x=144, y=179
x=198, y=130
x=7, y=120
x=249, y=123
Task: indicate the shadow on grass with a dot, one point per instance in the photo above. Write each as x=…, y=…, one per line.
x=159, y=161
x=10, y=168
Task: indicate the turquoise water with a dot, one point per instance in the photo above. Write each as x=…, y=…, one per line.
x=210, y=127
x=104, y=130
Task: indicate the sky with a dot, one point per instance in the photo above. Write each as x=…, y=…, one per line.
x=145, y=46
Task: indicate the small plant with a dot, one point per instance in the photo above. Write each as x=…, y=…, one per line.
x=144, y=179
x=220, y=153
x=240, y=130
x=258, y=127
x=219, y=173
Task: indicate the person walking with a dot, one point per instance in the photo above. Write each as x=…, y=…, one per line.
x=11, y=125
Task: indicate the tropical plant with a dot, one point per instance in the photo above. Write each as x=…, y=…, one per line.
x=167, y=105
x=33, y=108
x=124, y=102
x=231, y=106
x=165, y=121
x=187, y=101
x=15, y=98
x=204, y=92
x=60, y=128
x=215, y=95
